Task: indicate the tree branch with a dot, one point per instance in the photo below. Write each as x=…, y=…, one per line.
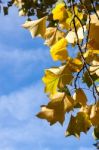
x=83, y=59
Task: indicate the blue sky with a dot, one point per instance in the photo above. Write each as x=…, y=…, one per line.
x=22, y=63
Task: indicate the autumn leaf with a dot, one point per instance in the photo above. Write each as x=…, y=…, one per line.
x=72, y=128
x=74, y=64
x=53, y=112
x=56, y=78
x=91, y=53
x=80, y=97
x=94, y=19
x=86, y=79
x=58, y=51
x=69, y=103
x=59, y=104
x=51, y=80
x=46, y=113
x=94, y=28
x=53, y=35
x=83, y=122
x=58, y=97
x=96, y=133
x=86, y=109
x=59, y=12
x=78, y=124
x=71, y=36
x=37, y=27
x=94, y=69
x=18, y=3
x=94, y=115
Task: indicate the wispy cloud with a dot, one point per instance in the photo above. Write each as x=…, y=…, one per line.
x=18, y=57
x=21, y=106
x=22, y=103
x=27, y=131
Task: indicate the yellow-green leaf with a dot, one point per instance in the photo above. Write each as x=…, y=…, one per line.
x=56, y=78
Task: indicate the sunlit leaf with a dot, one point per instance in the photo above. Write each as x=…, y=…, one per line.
x=58, y=51
x=59, y=12
x=37, y=27
x=52, y=35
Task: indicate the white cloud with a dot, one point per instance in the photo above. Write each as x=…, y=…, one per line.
x=19, y=57
x=21, y=103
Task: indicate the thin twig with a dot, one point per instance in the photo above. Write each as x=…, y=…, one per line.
x=94, y=9
x=87, y=39
x=77, y=76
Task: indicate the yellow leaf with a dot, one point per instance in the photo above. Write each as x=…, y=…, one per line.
x=94, y=19
x=68, y=103
x=58, y=51
x=94, y=31
x=37, y=27
x=74, y=64
x=94, y=115
x=59, y=97
x=18, y=3
x=80, y=97
x=91, y=54
x=22, y=13
x=71, y=36
x=47, y=114
x=59, y=104
x=78, y=124
x=86, y=109
x=53, y=35
x=72, y=128
x=53, y=112
x=59, y=12
x=94, y=69
x=65, y=76
x=83, y=122
x=81, y=32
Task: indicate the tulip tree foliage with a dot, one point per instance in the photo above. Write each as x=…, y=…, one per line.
x=67, y=27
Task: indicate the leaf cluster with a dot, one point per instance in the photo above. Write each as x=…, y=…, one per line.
x=64, y=24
